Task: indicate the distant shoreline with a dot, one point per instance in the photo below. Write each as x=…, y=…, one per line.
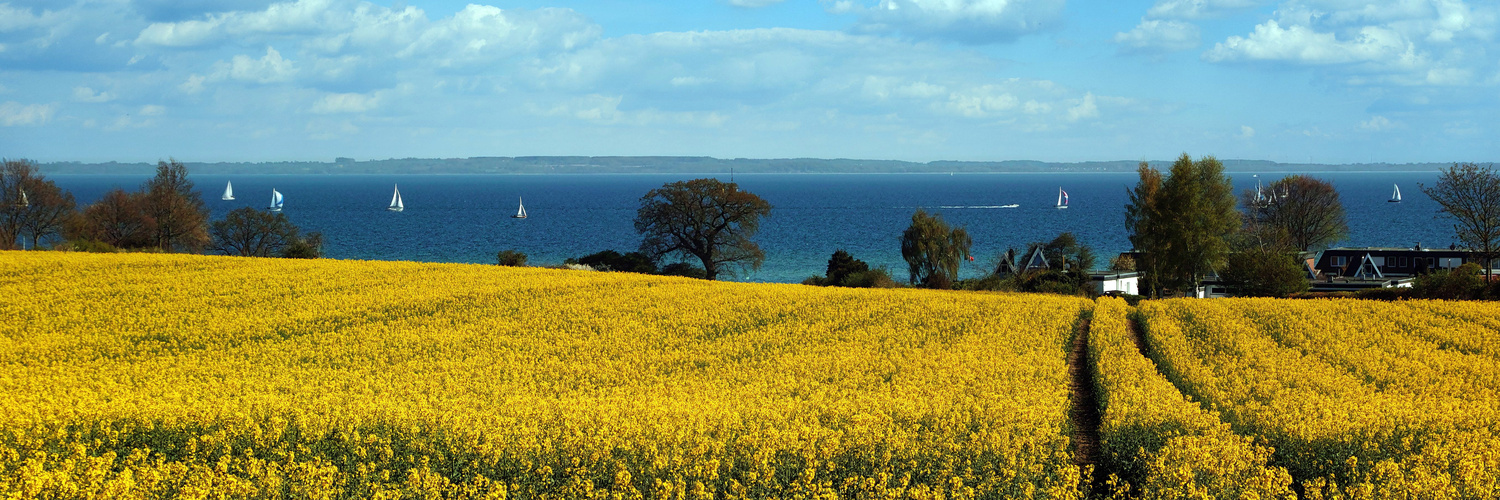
x=697, y=165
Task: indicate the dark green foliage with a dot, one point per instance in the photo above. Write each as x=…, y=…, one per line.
x=511, y=258
x=841, y=266
x=1259, y=272
x=933, y=251
x=683, y=269
x=91, y=246
x=1068, y=261
x=306, y=247
x=610, y=260
x=1462, y=283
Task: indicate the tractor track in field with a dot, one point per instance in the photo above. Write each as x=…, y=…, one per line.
x=1085, y=411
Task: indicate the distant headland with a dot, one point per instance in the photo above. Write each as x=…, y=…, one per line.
x=690, y=165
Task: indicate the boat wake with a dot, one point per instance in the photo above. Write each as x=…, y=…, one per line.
x=1012, y=205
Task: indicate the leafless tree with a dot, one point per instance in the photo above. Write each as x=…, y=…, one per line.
x=1470, y=195
x=702, y=218
x=1297, y=212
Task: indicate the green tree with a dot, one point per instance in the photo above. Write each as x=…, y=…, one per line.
x=1470, y=195
x=610, y=260
x=841, y=266
x=706, y=219
x=933, y=251
x=1297, y=211
x=511, y=258
x=253, y=233
x=1264, y=272
x=181, y=219
x=1181, y=224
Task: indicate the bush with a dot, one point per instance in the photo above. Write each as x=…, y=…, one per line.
x=610, y=260
x=1264, y=273
x=511, y=258
x=684, y=269
x=870, y=278
x=1462, y=283
x=91, y=246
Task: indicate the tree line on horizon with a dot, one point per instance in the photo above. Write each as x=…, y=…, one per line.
x=167, y=214
x=1184, y=224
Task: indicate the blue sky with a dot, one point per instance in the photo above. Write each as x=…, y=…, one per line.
x=1325, y=81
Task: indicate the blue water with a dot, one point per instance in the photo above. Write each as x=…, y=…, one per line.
x=466, y=218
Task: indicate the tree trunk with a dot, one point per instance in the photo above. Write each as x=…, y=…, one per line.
x=710, y=271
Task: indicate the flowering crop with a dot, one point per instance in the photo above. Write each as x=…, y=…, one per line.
x=1165, y=445
x=149, y=376
x=1360, y=399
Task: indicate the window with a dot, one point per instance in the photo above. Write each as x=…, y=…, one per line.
x=1339, y=261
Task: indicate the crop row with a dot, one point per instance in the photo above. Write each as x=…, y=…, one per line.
x=148, y=376
x=1359, y=399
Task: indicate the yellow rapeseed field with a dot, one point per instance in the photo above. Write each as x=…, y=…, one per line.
x=1360, y=399
x=167, y=376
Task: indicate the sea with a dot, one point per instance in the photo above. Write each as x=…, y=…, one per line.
x=467, y=218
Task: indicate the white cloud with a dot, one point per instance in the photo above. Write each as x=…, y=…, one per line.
x=1156, y=35
x=345, y=103
x=152, y=110
x=1390, y=42
x=1246, y=132
x=969, y=21
x=1197, y=9
x=1301, y=45
x=14, y=114
x=1085, y=109
x=1377, y=123
x=481, y=35
x=85, y=94
x=271, y=68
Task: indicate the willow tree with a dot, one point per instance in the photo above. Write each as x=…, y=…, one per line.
x=705, y=219
x=932, y=250
x=1180, y=224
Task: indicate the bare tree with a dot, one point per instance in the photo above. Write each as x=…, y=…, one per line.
x=1295, y=212
x=118, y=218
x=1470, y=195
x=31, y=207
x=181, y=219
x=703, y=218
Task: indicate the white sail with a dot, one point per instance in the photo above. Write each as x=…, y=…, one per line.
x=520, y=212
x=1396, y=196
x=228, y=191
x=1062, y=199
x=275, y=201
x=396, y=205
x=24, y=202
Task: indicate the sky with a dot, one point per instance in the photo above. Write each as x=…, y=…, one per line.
x=1320, y=81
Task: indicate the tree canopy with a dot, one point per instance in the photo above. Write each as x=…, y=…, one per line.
x=705, y=219
x=179, y=215
x=932, y=250
x=1179, y=224
x=250, y=232
x=32, y=208
x=1297, y=212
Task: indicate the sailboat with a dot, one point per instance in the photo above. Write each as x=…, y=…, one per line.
x=275, y=201
x=1396, y=196
x=396, y=205
x=1062, y=199
x=228, y=191
x=520, y=213
x=24, y=202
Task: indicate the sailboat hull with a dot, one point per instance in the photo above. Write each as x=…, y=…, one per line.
x=395, y=209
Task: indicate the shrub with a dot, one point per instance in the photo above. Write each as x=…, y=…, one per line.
x=684, y=269
x=610, y=260
x=870, y=278
x=92, y=246
x=1462, y=283
x=511, y=258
